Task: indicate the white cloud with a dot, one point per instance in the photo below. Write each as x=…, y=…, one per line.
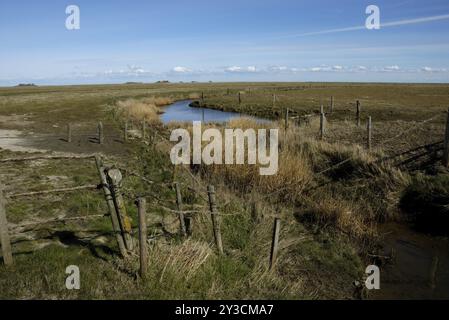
x=391, y=68
x=241, y=69
x=279, y=69
x=234, y=69
x=131, y=70
x=181, y=69
x=429, y=69
x=135, y=70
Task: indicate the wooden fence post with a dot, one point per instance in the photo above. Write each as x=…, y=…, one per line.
x=358, y=111
x=141, y=208
x=332, y=104
x=240, y=98
x=144, y=131
x=100, y=133
x=321, y=109
x=215, y=220
x=275, y=242
x=322, y=125
x=4, y=233
x=202, y=97
x=69, y=133
x=125, y=132
x=188, y=224
x=111, y=207
x=180, y=213
x=369, y=133
x=446, y=143
x=114, y=178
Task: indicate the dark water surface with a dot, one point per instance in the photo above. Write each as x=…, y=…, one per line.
x=420, y=265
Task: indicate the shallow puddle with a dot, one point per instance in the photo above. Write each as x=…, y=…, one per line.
x=419, y=268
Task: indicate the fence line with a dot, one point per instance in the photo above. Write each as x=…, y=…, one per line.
x=56, y=220
x=34, y=193
x=110, y=182
x=55, y=157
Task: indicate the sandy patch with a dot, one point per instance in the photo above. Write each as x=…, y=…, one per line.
x=12, y=140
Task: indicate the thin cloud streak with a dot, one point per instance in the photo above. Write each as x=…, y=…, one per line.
x=382, y=25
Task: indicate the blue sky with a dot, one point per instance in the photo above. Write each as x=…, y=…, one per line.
x=246, y=40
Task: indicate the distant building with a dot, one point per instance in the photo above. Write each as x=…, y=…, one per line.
x=131, y=82
x=26, y=85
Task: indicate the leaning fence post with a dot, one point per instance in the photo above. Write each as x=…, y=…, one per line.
x=115, y=178
x=369, y=133
x=141, y=208
x=111, y=207
x=180, y=213
x=215, y=220
x=358, y=110
x=446, y=143
x=100, y=133
x=275, y=242
x=4, y=233
x=69, y=133
x=322, y=125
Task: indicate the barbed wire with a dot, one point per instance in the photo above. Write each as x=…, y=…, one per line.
x=57, y=220
x=43, y=192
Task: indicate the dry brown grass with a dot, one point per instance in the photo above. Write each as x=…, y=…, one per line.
x=194, y=96
x=351, y=197
x=142, y=109
x=338, y=213
x=297, y=182
x=181, y=260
